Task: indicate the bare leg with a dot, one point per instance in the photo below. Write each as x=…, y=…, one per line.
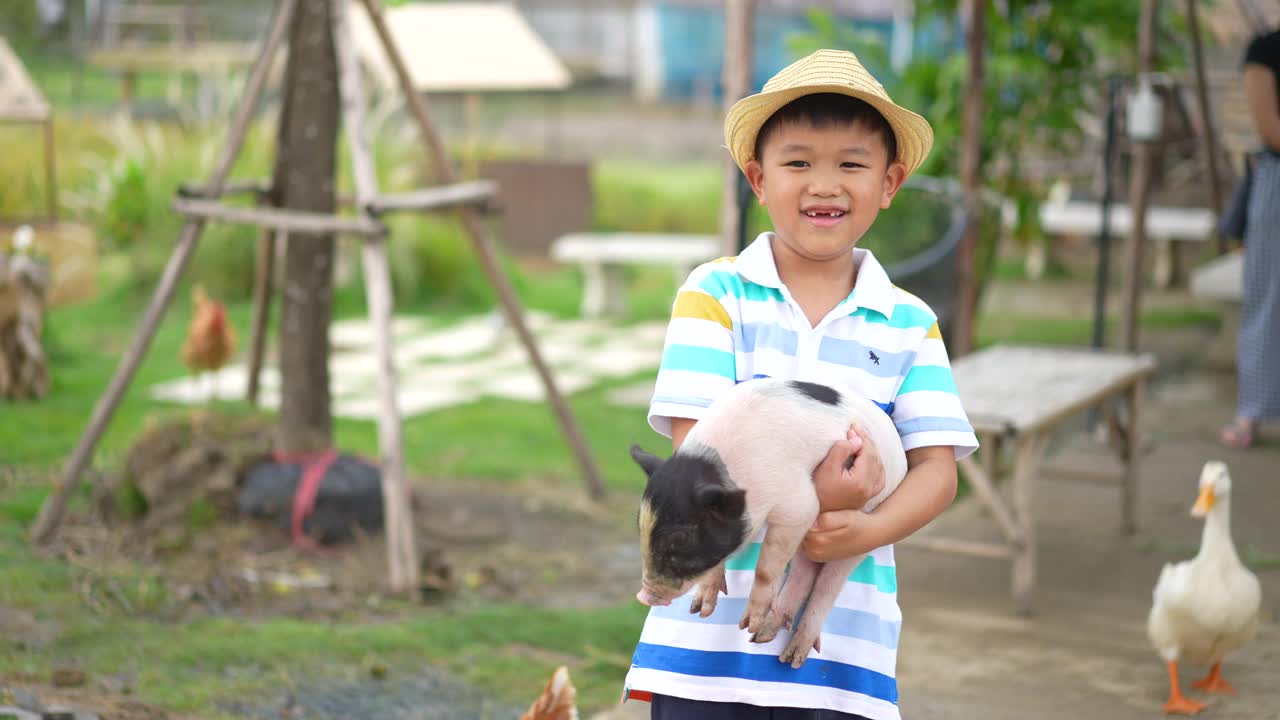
x=708, y=593
x=795, y=589
x=826, y=588
x=780, y=545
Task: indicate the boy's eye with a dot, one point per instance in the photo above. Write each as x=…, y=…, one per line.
x=848, y=165
x=796, y=163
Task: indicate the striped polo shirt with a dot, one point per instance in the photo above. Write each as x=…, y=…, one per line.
x=733, y=320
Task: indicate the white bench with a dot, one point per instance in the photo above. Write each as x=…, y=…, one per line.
x=603, y=257
x=1222, y=280
x=1165, y=225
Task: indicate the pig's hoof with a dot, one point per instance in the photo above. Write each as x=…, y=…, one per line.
x=754, y=618
x=769, y=629
x=704, y=600
x=797, y=651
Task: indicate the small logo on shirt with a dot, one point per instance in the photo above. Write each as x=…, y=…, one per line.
x=874, y=358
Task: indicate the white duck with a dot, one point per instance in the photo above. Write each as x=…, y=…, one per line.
x=1208, y=606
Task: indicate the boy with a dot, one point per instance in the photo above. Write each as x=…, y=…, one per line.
x=825, y=150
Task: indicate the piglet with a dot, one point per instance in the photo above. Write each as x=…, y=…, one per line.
x=747, y=464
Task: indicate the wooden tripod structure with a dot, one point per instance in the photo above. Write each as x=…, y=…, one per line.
x=202, y=204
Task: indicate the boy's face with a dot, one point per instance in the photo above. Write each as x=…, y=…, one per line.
x=823, y=187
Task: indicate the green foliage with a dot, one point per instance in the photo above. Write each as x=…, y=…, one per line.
x=827, y=32
x=128, y=211
x=652, y=197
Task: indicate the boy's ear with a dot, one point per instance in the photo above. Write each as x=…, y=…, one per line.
x=893, y=179
x=755, y=176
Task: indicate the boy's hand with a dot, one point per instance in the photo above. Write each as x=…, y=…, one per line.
x=840, y=534
x=850, y=475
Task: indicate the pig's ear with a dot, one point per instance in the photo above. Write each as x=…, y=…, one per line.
x=717, y=499
x=647, y=460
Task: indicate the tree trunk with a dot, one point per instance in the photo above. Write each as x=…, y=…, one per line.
x=963, y=329
x=737, y=84
x=304, y=180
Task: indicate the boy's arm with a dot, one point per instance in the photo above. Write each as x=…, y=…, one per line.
x=679, y=428
x=928, y=488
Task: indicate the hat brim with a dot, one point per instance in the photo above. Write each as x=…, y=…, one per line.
x=742, y=123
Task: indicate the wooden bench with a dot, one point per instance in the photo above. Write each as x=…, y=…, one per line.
x=604, y=257
x=1165, y=225
x=1021, y=395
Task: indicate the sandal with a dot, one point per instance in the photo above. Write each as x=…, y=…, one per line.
x=1238, y=435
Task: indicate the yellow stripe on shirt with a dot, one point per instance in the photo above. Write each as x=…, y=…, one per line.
x=700, y=306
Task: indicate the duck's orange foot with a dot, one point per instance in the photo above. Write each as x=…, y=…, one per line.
x=1214, y=683
x=1179, y=705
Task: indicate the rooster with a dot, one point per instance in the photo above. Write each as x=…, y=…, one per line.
x=211, y=340
x=557, y=701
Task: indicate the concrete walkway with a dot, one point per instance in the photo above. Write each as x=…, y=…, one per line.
x=1085, y=654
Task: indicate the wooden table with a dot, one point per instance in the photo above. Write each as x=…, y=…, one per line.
x=1021, y=395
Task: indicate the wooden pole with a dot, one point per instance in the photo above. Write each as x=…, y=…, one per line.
x=1139, y=192
x=263, y=293
x=963, y=330
x=402, y=553
x=1206, y=116
x=56, y=504
x=471, y=220
x=50, y=169
x=738, y=16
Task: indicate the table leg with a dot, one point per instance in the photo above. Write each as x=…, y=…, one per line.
x=1133, y=450
x=1025, y=473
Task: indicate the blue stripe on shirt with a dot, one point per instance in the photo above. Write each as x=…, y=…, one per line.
x=928, y=377
x=905, y=317
x=933, y=424
x=766, y=668
x=718, y=283
x=873, y=361
x=692, y=358
x=857, y=624
x=769, y=335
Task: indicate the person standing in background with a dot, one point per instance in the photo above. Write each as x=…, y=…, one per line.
x=1258, y=344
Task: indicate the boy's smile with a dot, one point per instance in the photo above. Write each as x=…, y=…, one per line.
x=823, y=186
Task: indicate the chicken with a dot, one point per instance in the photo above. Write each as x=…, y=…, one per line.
x=557, y=701
x=1205, y=607
x=211, y=340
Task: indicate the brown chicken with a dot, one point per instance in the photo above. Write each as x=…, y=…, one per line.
x=557, y=701
x=211, y=340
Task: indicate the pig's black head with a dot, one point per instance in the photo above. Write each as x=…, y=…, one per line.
x=692, y=516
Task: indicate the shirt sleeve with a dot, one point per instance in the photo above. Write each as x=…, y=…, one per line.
x=698, y=359
x=1262, y=51
x=927, y=409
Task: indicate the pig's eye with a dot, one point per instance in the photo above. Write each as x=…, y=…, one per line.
x=681, y=539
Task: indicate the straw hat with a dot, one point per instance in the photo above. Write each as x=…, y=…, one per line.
x=825, y=71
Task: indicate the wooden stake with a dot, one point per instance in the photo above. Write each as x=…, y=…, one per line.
x=510, y=303
x=50, y=169
x=1206, y=116
x=737, y=84
x=1139, y=193
x=1026, y=474
x=55, y=505
x=263, y=293
x=281, y=219
x=477, y=192
x=962, y=331
x=402, y=552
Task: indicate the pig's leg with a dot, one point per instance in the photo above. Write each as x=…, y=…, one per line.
x=709, y=589
x=794, y=591
x=808, y=634
x=780, y=545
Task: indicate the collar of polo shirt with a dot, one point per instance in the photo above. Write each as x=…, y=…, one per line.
x=872, y=290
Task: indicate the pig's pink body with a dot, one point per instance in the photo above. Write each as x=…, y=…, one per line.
x=770, y=437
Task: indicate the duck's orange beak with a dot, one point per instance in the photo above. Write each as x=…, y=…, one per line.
x=1204, y=503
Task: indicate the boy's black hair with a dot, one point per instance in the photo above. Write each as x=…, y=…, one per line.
x=823, y=110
